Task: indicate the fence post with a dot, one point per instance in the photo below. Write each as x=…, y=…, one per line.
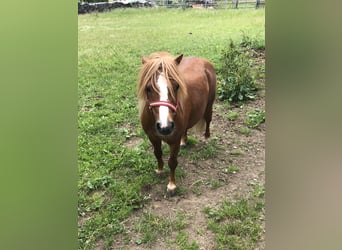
x=257, y=4
x=236, y=4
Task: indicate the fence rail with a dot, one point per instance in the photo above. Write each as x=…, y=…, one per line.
x=222, y=4
x=84, y=7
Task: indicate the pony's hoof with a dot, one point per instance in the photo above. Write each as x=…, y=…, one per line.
x=159, y=171
x=171, y=189
x=206, y=139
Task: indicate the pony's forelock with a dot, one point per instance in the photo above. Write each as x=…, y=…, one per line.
x=160, y=63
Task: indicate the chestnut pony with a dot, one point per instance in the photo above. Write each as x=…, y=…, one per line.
x=174, y=94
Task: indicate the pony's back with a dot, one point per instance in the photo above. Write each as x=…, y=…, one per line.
x=200, y=78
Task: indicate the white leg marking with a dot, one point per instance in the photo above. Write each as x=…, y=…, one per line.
x=164, y=95
x=171, y=187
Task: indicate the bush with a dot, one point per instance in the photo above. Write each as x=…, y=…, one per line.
x=94, y=1
x=236, y=76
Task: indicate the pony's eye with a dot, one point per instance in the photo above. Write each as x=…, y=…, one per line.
x=148, y=89
x=176, y=87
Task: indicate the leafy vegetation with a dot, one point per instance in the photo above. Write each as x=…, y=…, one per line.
x=255, y=118
x=252, y=43
x=237, y=81
x=232, y=115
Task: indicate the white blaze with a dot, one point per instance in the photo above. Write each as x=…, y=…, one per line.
x=164, y=95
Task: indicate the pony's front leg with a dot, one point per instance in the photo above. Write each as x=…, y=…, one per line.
x=158, y=153
x=174, y=149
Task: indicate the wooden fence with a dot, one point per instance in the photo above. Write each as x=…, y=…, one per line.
x=84, y=7
x=221, y=4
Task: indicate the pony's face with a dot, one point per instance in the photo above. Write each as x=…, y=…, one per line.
x=161, y=96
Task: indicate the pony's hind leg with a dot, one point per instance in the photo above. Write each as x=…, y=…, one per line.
x=207, y=117
x=184, y=139
x=158, y=153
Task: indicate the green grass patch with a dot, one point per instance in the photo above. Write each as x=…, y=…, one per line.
x=110, y=46
x=245, y=131
x=232, y=169
x=236, y=152
x=237, y=224
x=214, y=184
x=206, y=151
x=151, y=227
x=232, y=115
x=255, y=118
x=182, y=241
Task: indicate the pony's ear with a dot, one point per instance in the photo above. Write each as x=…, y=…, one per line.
x=178, y=59
x=144, y=59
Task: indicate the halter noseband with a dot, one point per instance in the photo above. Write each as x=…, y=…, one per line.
x=164, y=103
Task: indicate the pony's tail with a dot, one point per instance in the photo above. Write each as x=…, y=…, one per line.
x=199, y=127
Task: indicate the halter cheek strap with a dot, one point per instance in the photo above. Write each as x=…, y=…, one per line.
x=164, y=103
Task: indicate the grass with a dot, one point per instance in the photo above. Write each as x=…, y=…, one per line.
x=232, y=115
x=232, y=169
x=237, y=223
x=151, y=227
x=110, y=46
x=236, y=152
x=206, y=151
x=245, y=131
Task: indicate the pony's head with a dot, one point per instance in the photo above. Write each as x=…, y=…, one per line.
x=162, y=89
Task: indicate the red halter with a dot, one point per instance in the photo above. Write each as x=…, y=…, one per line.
x=164, y=103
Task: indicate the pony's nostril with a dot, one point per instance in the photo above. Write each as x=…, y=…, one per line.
x=172, y=125
x=165, y=130
x=158, y=126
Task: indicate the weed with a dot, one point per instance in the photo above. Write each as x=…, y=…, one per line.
x=259, y=190
x=249, y=42
x=232, y=169
x=182, y=241
x=232, y=115
x=214, y=184
x=255, y=118
x=236, y=152
x=181, y=191
x=195, y=187
x=245, y=131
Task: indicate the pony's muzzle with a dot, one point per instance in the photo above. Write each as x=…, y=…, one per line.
x=165, y=130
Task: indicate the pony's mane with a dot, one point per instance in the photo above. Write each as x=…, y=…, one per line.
x=160, y=63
